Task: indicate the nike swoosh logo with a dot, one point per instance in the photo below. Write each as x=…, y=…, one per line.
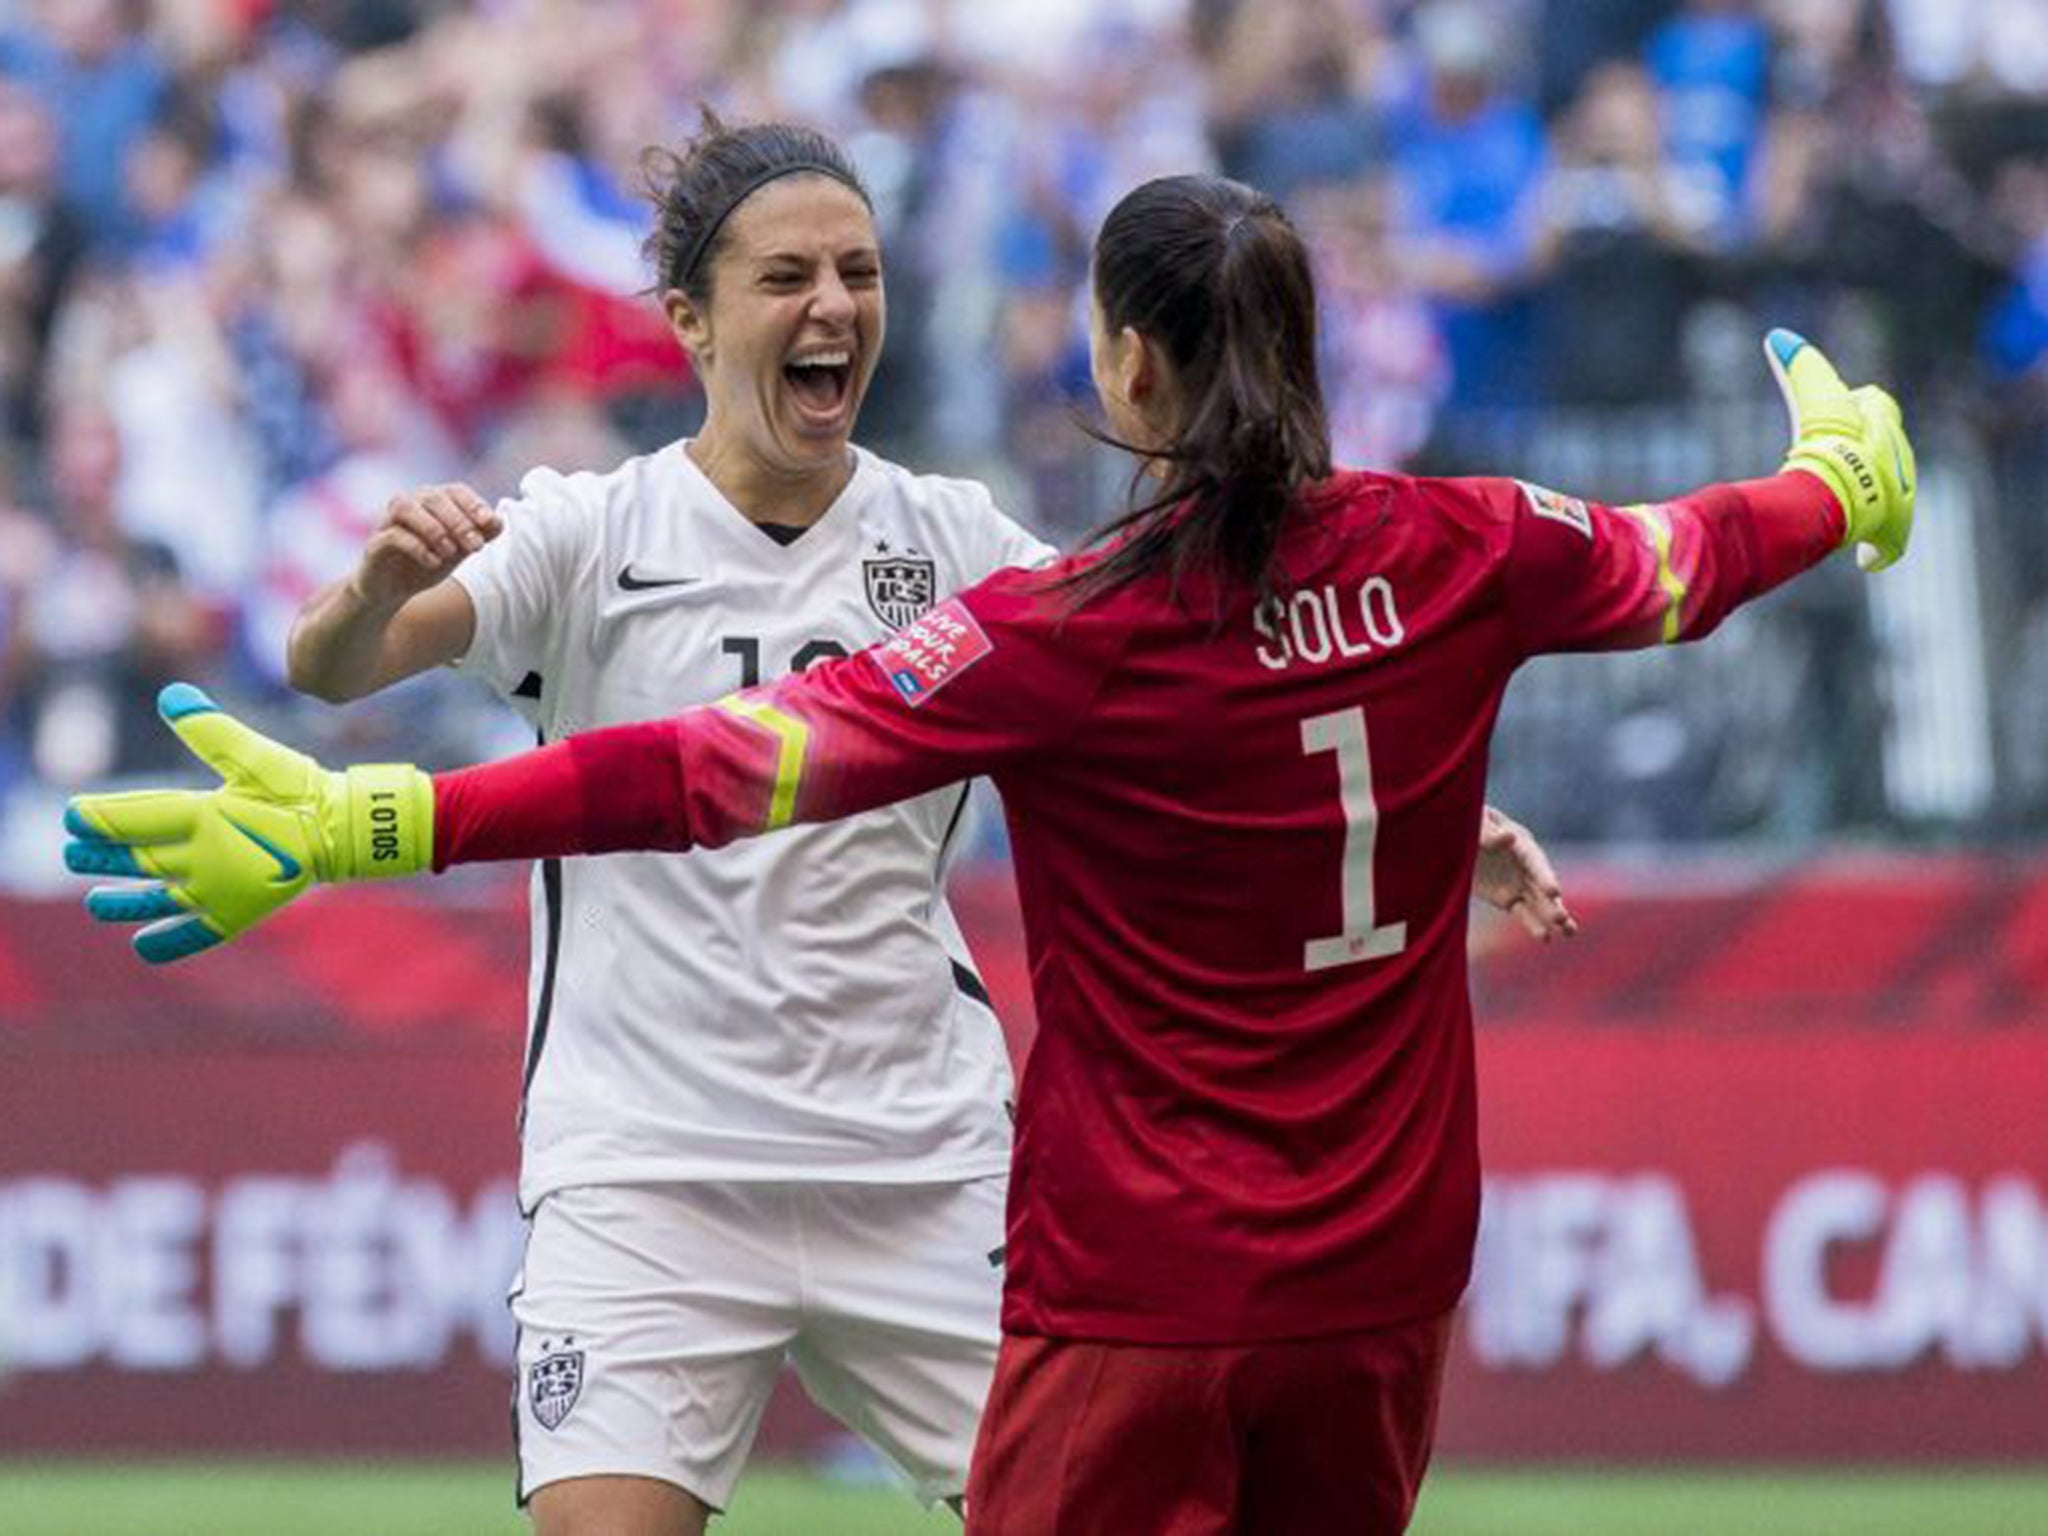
x=288, y=868
x=628, y=582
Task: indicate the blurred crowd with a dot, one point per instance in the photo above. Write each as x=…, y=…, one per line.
x=263, y=263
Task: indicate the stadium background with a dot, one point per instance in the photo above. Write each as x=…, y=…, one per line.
x=1767, y=1146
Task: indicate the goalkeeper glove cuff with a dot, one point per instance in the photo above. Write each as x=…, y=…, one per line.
x=385, y=816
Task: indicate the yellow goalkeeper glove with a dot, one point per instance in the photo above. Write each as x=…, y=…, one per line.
x=220, y=861
x=1855, y=441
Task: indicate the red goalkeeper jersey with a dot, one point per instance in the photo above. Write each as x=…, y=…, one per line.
x=1244, y=851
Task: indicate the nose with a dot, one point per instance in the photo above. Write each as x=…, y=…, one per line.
x=832, y=302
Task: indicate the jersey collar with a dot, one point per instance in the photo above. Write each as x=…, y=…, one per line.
x=838, y=522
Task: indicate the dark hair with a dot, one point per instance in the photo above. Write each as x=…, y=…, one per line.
x=696, y=191
x=1211, y=272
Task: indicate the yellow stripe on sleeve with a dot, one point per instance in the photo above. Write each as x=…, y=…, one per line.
x=1674, y=589
x=793, y=740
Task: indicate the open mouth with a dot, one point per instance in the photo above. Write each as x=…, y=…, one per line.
x=821, y=381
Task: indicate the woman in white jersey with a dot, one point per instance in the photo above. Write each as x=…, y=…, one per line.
x=765, y=1097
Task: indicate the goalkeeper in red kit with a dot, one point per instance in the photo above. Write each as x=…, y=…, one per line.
x=1242, y=745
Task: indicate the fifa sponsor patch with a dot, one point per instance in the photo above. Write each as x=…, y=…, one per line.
x=900, y=587
x=924, y=656
x=1559, y=508
x=553, y=1383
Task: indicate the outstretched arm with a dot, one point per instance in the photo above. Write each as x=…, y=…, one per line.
x=973, y=685
x=1588, y=577
x=209, y=865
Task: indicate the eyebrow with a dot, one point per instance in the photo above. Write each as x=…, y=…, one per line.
x=794, y=259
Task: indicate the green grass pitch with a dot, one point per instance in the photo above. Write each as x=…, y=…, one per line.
x=413, y=1499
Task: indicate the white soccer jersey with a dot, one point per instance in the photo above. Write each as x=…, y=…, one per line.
x=791, y=1007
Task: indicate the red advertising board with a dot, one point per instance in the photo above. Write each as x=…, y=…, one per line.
x=1759, y=1186
x=1793, y=1244
x=241, y=1251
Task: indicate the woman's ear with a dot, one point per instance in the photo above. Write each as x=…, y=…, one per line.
x=1136, y=366
x=1148, y=383
x=690, y=321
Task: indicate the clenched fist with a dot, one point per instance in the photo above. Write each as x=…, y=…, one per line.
x=425, y=534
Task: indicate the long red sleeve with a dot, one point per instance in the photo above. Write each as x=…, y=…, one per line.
x=836, y=739
x=1798, y=523
x=1589, y=577
x=599, y=792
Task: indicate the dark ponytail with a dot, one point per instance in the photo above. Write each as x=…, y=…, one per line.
x=1211, y=272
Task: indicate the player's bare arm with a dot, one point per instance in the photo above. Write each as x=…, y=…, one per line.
x=1515, y=875
x=397, y=613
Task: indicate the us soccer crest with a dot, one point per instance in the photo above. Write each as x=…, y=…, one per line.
x=553, y=1384
x=900, y=587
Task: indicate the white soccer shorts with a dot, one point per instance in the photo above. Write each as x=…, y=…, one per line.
x=654, y=1320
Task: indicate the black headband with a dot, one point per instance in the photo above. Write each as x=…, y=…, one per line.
x=747, y=189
